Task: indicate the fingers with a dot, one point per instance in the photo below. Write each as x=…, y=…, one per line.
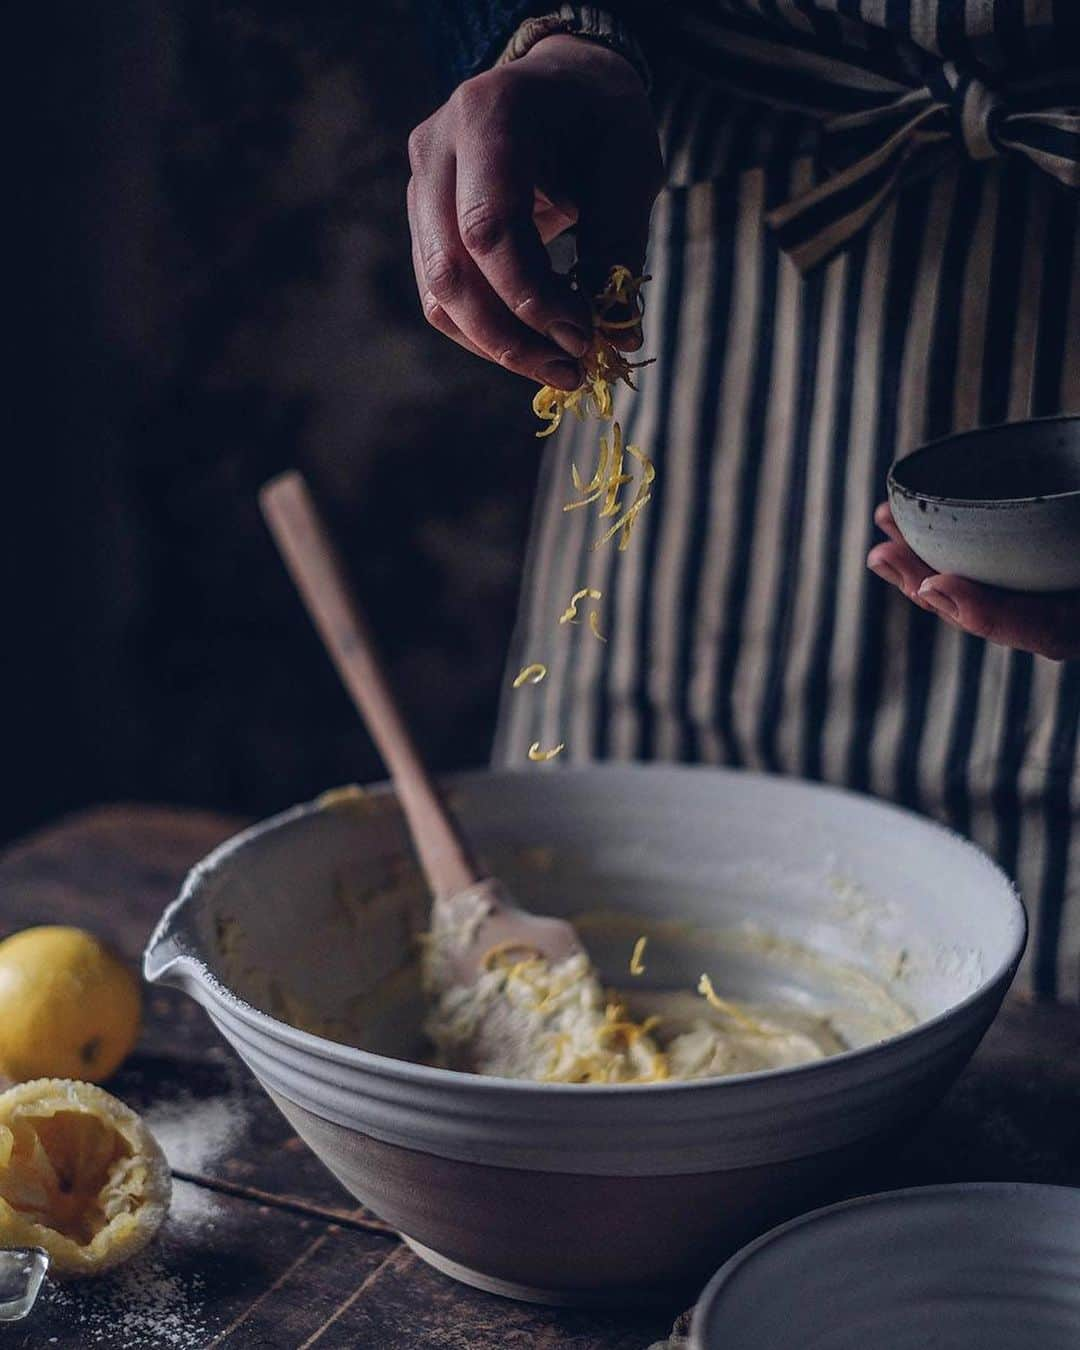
x=458, y=287
x=883, y=519
x=496, y=221
x=895, y=563
x=433, y=311
x=1047, y=625
x=457, y=296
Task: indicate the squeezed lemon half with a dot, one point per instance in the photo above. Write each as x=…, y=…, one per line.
x=80, y=1175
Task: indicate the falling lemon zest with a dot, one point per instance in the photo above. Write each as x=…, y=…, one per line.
x=531, y=674
x=570, y=614
x=637, y=965
x=616, y=478
x=623, y=524
x=616, y=309
x=539, y=756
x=642, y=497
x=596, y=482
x=705, y=988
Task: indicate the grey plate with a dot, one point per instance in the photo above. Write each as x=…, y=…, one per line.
x=986, y=1266
x=1001, y=506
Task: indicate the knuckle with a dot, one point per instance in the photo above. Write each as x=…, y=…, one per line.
x=444, y=274
x=527, y=307
x=483, y=226
x=433, y=311
x=512, y=357
x=419, y=139
x=477, y=95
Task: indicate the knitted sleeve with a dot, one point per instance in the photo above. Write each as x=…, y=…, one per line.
x=467, y=36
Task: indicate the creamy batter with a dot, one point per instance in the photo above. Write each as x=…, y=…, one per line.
x=524, y=1018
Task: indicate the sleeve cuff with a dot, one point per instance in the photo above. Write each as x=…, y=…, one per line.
x=585, y=21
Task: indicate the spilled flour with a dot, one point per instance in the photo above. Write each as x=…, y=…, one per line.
x=197, y=1132
x=143, y=1304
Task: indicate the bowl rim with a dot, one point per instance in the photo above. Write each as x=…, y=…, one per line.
x=893, y=1199
x=419, y=1075
x=991, y=503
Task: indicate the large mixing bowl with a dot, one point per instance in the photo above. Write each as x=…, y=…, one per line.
x=565, y=1193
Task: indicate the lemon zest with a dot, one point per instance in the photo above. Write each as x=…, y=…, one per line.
x=637, y=965
x=570, y=614
x=705, y=988
x=602, y=364
x=642, y=497
x=531, y=674
x=623, y=523
x=594, y=625
x=616, y=478
x=501, y=949
x=597, y=480
x=539, y=756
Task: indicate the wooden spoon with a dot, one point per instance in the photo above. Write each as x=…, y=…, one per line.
x=471, y=912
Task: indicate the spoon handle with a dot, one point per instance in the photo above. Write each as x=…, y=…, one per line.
x=316, y=569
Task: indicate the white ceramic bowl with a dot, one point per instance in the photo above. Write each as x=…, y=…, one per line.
x=999, y=505
x=568, y=1193
x=986, y=1266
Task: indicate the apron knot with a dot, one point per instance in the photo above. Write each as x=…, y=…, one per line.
x=977, y=112
x=872, y=152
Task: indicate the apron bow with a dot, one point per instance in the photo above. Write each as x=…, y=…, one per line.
x=875, y=150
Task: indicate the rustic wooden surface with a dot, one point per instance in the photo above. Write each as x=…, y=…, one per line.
x=264, y=1248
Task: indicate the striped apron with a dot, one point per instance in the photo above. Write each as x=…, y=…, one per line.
x=860, y=248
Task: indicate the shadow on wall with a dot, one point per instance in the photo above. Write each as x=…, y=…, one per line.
x=217, y=285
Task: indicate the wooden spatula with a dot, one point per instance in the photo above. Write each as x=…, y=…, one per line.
x=459, y=889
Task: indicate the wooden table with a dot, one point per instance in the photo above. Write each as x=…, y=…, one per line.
x=264, y=1248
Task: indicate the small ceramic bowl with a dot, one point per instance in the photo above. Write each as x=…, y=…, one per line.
x=297, y=937
x=987, y=1266
x=1000, y=506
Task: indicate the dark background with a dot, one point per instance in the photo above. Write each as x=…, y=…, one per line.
x=209, y=282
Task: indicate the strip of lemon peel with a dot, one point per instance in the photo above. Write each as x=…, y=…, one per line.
x=637, y=964
x=705, y=988
x=570, y=614
x=641, y=498
x=531, y=674
x=539, y=756
x=617, y=308
x=616, y=478
x=596, y=482
x=501, y=949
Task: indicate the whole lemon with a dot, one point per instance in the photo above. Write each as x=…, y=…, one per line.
x=69, y=1008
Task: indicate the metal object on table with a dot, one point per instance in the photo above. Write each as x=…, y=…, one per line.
x=22, y=1270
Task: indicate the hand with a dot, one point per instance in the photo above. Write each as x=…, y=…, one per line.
x=516, y=155
x=1047, y=625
